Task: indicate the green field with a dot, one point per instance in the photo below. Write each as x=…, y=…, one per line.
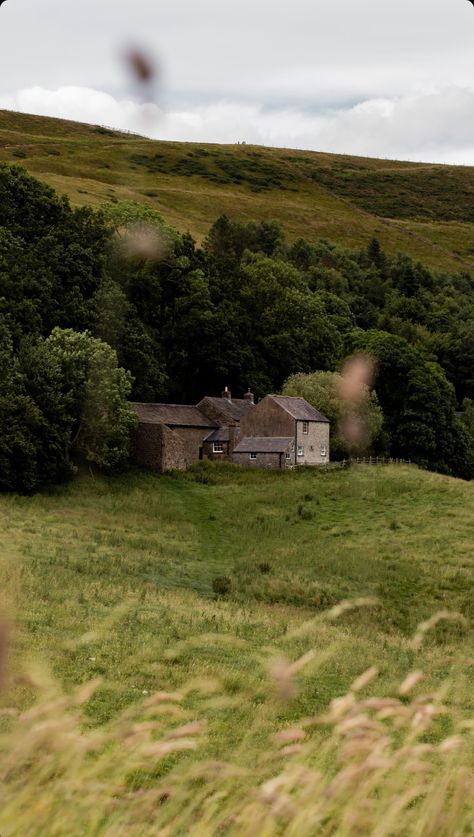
x=424, y=210
x=113, y=578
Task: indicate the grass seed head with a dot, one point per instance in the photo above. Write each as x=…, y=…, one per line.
x=4, y=642
x=410, y=682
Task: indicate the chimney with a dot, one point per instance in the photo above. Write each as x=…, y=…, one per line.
x=227, y=394
x=249, y=396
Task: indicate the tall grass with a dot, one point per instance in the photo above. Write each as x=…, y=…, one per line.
x=380, y=765
x=172, y=708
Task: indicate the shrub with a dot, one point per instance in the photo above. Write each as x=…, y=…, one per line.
x=264, y=567
x=222, y=585
x=305, y=514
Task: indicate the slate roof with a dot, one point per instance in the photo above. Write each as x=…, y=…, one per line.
x=299, y=409
x=173, y=415
x=234, y=409
x=264, y=444
x=222, y=434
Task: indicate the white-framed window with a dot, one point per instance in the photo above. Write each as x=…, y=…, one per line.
x=218, y=447
x=253, y=456
x=288, y=455
x=323, y=450
x=306, y=427
x=300, y=450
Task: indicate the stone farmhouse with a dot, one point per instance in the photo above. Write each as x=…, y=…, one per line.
x=298, y=430
x=279, y=432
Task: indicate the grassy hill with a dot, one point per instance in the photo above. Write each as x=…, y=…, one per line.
x=424, y=210
x=113, y=579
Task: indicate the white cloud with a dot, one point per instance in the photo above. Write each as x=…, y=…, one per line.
x=83, y=105
x=385, y=79
x=260, y=50
x=432, y=126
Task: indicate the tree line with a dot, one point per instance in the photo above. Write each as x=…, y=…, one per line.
x=97, y=307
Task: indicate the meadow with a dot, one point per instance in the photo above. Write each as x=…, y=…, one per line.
x=424, y=210
x=203, y=609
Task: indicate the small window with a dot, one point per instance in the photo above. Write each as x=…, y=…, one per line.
x=288, y=455
x=300, y=450
x=323, y=450
x=306, y=427
x=253, y=456
x=218, y=447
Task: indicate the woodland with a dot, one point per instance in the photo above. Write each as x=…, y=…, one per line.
x=98, y=307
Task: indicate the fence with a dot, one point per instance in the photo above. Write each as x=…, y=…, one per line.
x=376, y=460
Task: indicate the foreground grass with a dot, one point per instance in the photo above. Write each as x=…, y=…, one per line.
x=113, y=579
x=316, y=195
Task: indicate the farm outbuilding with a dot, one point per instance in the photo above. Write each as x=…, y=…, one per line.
x=265, y=452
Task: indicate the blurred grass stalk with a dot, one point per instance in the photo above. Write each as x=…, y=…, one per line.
x=375, y=766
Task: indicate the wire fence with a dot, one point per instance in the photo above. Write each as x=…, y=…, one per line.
x=376, y=460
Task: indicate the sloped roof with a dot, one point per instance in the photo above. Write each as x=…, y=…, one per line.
x=222, y=434
x=298, y=408
x=173, y=415
x=264, y=444
x=234, y=409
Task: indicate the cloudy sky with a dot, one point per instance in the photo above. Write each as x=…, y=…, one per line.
x=357, y=76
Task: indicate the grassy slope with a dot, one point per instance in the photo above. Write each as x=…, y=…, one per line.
x=425, y=210
x=133, y=561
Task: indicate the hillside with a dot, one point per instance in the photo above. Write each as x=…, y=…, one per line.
x=112, y=579
x=292, y=545
x=424, y=210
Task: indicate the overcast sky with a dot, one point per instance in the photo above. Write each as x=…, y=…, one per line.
x=356, y=76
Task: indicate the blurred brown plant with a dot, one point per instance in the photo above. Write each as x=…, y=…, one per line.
x=354, y=383
x=140, y=65
x=142, y=242
x=4, y=642
x=356, y=375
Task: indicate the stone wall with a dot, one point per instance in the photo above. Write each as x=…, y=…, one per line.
x=226, y=455
x=263, y=460
x=174, y=454
x=313, y=442
x=267, y=419
x=208, y=450
x=157, y=447
x=192, y=439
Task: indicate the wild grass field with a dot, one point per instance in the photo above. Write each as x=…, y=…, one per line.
x=424, y=210
x=202, y=716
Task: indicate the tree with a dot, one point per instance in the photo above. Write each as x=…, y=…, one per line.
x=35, y=417
x=288, y=327
x=98, y=389
x=418, y=403
x=52, y=257
x=355, y=427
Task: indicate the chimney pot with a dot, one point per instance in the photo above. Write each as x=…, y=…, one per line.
x=249, y=396
x=227, y=394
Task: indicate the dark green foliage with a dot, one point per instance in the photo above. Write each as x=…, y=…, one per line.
x=35, y=418
x=222, y=585
x=304, y=513
x=51, y=257
x=250, y=171
x=448, y=193
x=418, y=404
x=98, y=390
x=246, y=309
